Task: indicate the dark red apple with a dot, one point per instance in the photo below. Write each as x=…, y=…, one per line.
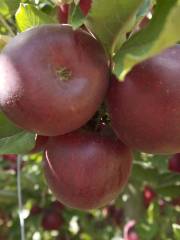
x=63, y=11
x=145, y=108
x=114, y=214
x=53, y=79
x=10, y=157
x=35, y=210
x=176, y=201
x=85, y=6
x=51, y=220
x=174, y=163
x=148, y=195
x=57, y=206
x=40, y=144
x=11, y=162
x=85, y=170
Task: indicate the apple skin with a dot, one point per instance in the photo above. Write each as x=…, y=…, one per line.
x=51, y=220
x=85, y=6
x=174, y=163
x=85, y=170
x=62, y=13
x=148, y=196
x=34, y=92
x=145, y=108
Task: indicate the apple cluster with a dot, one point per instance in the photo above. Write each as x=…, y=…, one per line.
x=54, y=79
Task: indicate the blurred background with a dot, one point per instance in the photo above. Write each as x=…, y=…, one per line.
x=147, y=209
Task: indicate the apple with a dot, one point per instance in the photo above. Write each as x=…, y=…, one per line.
x=145, y=108
x=85, y=6
x=85, y=170
x=176, y=201
x=57, y=206
x=40, y=144
x=35, y=210
x=53, y=79
x=51, y=220
x=114, y=214
x=63, y=11
x=174, y=163
x=148, y=195
x=11, y=162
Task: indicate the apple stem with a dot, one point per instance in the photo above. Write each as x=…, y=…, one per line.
x=19, y=192
x=64, y=74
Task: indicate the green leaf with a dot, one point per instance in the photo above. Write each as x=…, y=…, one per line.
x=4, y=10
x=19, y=143
x=144, y=9
x=111, y=20
x=12, y=5
x=171, y=191
x=162, y=32
x=76, y=17
x=141, y=173
x=176, y=231
x=153, y=213
x=27, y=16
x=7, y=128
x=147, y=231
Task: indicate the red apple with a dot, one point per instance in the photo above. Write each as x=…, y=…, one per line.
x=85, y=170
x=51, y=220
x=57, y=206
x=145, y=108
x=63, y=11
x=35, y=210
x=54, y=79
x=174, y=163
x=85, y=6
x=148, y=195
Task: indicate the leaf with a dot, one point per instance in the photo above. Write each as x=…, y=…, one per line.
x=19, y=143
x=176, y=231
x=76, y=17
x=162, y=32
x=12, y=5
x=109, y=21
x=147, y=231
x=4, y=10
x=7, y=128
x=140, y=173
x=169, y=191
x=27, y=16
x=144, y=9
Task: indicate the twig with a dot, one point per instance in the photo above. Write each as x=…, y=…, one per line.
x=21, y=218
x=6, y=25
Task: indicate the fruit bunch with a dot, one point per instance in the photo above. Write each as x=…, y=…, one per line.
x=57, y=86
